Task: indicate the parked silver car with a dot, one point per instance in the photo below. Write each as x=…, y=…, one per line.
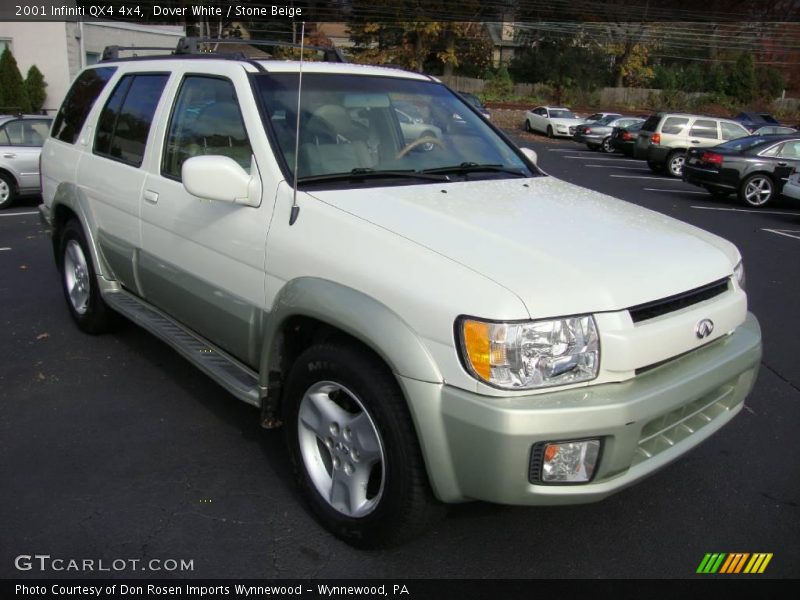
x=21, y=139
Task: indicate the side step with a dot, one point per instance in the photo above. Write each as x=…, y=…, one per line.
x=239, y=380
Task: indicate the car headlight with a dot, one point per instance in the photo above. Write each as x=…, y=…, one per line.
x=531, y=354
x=738, y=273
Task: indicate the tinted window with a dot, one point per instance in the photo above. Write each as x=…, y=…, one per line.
x=651, y=124
x=674, y=125
x=206, y=121
x=731, y=131
x=704, y=129
x=561, y=114
x=25, y=132
x=79, y=101
x=127, y=116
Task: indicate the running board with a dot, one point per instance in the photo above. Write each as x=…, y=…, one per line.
x=235, y=377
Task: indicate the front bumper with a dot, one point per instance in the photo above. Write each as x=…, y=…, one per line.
x=479, y=448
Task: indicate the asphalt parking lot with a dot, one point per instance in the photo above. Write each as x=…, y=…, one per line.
x=114, y=447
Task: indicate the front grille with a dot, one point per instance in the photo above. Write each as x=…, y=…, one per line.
x=651, y=310
x=670, y=429
x=572, y=131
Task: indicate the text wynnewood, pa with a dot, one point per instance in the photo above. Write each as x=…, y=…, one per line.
x=186, y=589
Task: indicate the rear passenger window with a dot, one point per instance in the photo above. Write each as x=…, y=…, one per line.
x=206, y=120
x=79, y=101
x=674, y=125
x=704, y=129
x=731, y=131
x=126, y=118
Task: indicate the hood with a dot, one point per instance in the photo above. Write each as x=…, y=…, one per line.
x=567, y=121
x=561, y=248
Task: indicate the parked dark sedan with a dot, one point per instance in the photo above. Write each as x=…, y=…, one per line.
x=597, y=135
x=754, y=167
x=623, y=139
x=754, y=120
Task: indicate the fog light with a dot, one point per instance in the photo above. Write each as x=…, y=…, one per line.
x=569, y=462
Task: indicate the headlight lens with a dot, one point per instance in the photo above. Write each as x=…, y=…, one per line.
x=532, y=354
x=738, y=273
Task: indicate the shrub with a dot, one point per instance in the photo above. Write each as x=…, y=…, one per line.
x=13, y=96
x=34, y=85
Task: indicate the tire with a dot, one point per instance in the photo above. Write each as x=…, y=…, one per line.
x=606, y=146
x=369, y=489
x=79, y=281
x=528, y=126
x=655, y=167
x=8, y=190
x=549, y=131
x=757, y=190
x=675, y=162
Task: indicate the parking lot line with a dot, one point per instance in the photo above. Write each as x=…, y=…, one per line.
x=565, y=150
x=617, y=167
x=1, y=249
x=614, y=159
x=646, y=177
x=786, y=232
x=18, y=214
x=747, y=210
x=675, y=191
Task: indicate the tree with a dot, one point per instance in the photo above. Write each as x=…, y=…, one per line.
x=742, y=83
x=770, y=82
x=34, y=86
x=14, y=96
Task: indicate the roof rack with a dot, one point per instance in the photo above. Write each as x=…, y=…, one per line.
x=192, y=47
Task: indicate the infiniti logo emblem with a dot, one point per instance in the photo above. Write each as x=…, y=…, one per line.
x=704, y=328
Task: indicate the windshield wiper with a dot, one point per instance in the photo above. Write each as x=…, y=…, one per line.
x=362, y=173
x=471, y=167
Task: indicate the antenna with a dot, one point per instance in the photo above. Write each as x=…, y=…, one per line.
x=295, y=208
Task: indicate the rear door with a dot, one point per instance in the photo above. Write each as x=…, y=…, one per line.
x=22, y=141
x=704, y=133
x=788, y=160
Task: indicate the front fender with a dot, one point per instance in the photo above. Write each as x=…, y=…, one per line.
x=355, y=313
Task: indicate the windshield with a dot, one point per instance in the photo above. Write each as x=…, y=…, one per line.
x=357, y=124
x=562, y=114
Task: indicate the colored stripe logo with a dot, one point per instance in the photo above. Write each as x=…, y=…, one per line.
x=734, y=563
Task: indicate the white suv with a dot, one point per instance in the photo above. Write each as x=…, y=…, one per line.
x=430, y=325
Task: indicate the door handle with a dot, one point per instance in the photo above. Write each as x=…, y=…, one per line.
x=783, y=164
x=695, y=141
x=9, y=155
x=150, y=196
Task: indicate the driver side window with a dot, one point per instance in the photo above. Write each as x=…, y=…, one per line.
x=206, y=120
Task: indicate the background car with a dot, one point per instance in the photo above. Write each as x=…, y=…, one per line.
x=414, y=128
x=753, y=167
x=601, y=115
x=623, y=139
x=597, y=135
x=755, y=120
x=774, y=130
x=21, y=139
x=665, y=137
x=476, y=102
x=552, y=120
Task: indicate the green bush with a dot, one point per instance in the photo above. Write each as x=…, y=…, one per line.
x=34, y=85
x=742, y=82
x=13, y=95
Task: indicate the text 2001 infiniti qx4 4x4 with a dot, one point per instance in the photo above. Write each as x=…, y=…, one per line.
x=431, y=320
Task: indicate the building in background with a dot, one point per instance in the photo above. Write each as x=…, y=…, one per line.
x=61, y=49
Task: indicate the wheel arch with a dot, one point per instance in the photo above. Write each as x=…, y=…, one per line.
x=310, y=309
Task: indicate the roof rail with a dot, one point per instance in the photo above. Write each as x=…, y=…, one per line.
x=191, y=45
x=112, y=52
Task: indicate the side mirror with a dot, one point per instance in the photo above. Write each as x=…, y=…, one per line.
x=529, y=154
x=221, y=178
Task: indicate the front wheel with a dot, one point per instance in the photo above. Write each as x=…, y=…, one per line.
x=757, y=190
x=549, y=131
x=8, y=191
x=354, y=448
x=79, y=281
x=528, y=126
